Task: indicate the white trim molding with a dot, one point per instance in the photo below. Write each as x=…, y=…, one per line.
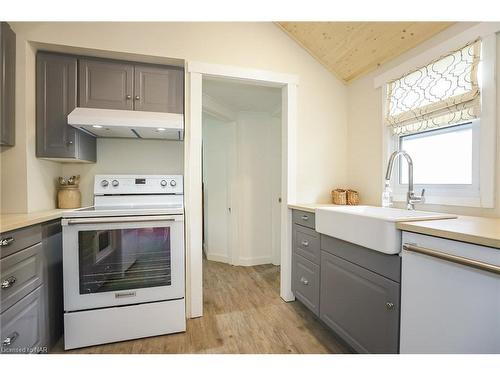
x=263, y=76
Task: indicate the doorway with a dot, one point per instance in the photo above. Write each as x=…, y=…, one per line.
x=241, y=172
x=193, y=171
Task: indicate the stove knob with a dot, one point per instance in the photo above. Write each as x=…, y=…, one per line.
x=115, y=183
x=163, y=183
x=173, y=183
x=104, y=183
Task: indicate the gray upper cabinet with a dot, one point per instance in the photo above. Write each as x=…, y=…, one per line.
x=7, y=85
x=56, y=97
x=360, y=305
x=106, y=84
x=159, y=89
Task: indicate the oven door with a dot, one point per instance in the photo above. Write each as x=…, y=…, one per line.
x=121, y=261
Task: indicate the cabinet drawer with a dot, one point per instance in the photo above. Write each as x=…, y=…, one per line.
x=13, y=241
x=305, y=282
x=303, y=218
x=306, y=243
x=359, y=305
x=22, y=327
x=21, y=274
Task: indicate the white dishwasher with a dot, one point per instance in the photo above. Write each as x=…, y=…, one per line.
x=450, y=296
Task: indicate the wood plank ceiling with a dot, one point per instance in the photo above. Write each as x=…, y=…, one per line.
x=352, y=49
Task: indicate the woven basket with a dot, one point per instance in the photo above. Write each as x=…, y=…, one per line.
x=339, y=196
x=352, y=197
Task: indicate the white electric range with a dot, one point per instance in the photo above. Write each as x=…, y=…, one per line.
x=123, y=261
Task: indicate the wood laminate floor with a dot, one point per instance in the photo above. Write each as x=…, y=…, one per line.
x=243, y=313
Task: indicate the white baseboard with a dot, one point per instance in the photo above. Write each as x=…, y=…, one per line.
x=255, y=261
x=242, y=261
x=218, y=258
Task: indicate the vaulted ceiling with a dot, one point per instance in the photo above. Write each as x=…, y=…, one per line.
x=352, y=49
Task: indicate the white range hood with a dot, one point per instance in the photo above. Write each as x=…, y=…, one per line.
x=113, y=123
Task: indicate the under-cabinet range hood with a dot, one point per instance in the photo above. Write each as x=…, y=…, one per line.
x=113, y=123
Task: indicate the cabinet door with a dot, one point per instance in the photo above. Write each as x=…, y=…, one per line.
x=55, y=99
x=7, y=85
x=22, y=326
x=159, y=89
x=106, y=84
x=305, y=282
x=359, y=305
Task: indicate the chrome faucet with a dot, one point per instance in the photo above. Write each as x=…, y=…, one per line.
x=411, y=198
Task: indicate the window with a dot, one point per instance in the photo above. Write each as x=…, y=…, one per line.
x=434, y=113
x=441, y=157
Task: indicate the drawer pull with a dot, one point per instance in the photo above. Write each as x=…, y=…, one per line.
x=7, y=283
x=305, y=243
x=304, y=281
x=6, y=241
x=10, y=339
x=389, y=306
x=305, y=217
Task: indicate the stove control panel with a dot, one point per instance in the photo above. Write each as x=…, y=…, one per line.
x=138, y=184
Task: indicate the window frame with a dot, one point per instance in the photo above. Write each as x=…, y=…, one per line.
x=481, y=193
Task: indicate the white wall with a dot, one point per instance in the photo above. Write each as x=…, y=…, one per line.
x=128, y=156
x=242, y=170
x=364, y=136
x=322, y=107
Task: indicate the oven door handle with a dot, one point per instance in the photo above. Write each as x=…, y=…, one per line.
x=125, y=219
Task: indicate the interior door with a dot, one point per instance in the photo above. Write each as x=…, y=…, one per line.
x=218, y=168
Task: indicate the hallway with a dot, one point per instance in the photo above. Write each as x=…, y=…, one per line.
x=243, y=313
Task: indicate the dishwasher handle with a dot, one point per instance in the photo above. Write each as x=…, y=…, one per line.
x=453, y=258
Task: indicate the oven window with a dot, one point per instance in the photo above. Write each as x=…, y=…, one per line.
x=123, y=259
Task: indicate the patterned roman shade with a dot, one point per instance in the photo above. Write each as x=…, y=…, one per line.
x=442, y=93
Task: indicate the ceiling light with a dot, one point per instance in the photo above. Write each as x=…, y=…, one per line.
x=160, y=129
x=97, y=126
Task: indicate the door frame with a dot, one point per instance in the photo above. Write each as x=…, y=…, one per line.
x=193, y=170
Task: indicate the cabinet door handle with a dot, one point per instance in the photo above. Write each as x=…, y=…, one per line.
x=128, y=97
x=7, y=283
x=305, y=217
x=6, y=241
x=69, y=143
x=304, y=281
x=389, y=306
x=305, y=243
x=137, y=97
x=9, y=340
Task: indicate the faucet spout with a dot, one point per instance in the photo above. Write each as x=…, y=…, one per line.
x=411, y=198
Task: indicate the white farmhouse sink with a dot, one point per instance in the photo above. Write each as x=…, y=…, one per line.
x=369, y=226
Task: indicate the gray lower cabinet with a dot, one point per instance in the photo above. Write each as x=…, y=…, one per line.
x=31, y=313
x=359, y=305
x=56, y=97
x=305, y=282
x=354, y=290
x=106, y=84
x=23, y=325
x=159, y=89
x=7, y=85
